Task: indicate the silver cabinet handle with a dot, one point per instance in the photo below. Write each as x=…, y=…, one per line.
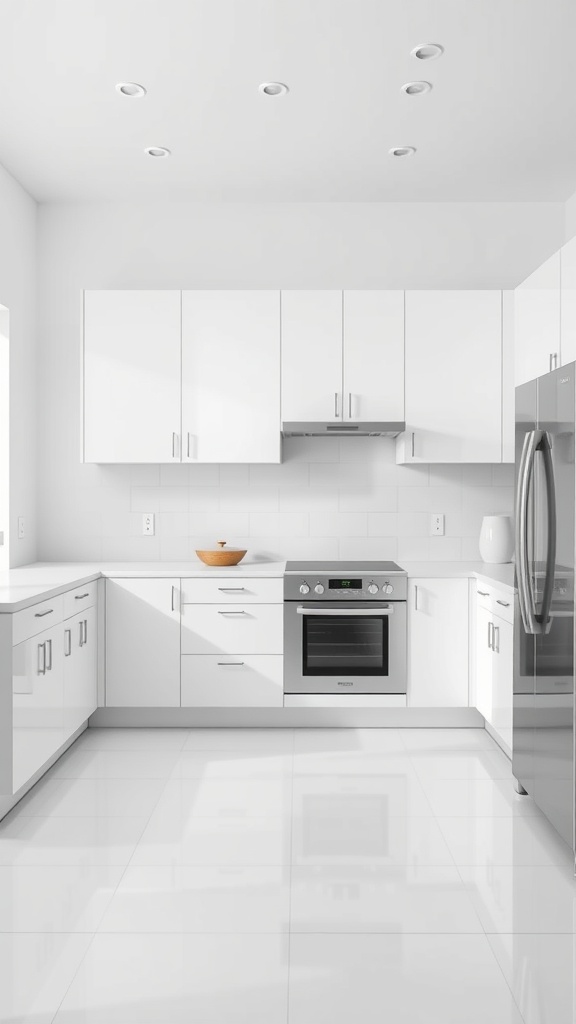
x=553, y=360
x=67, y=643
x=505, y=604
x=413, y=436
x=85, y=631
x=232, y=613
x=230, y=590
x=484, y=593
x=496, y=639
x=349, y=405
x=174, y=596
x=79, y=597
x=229, y=664
x=49, y=656
x=368, y=613
x=415, y=592
x=41, y=666
x=81, y=636
x=40, y=615
x=174, y=444
x=188, y=445
x=490, y=635
x=336, y=413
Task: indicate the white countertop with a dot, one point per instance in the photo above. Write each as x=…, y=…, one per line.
x=29, y=584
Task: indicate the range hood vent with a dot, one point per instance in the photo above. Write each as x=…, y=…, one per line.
x=358, y=429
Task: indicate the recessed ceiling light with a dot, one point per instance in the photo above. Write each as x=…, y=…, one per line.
x=131, y=89
x=157, y=151
x=416, y=88
x=427, y=51
x=273, y=88
x=402, y=151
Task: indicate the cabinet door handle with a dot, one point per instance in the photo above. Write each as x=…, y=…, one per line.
x=415, y=598
x=232, y=613
x=40, y=615
x=230, y=664
x=67, y=643
x=496, y=640
x=553, y=360
x=80, y=597
x=188, y=445
x=349, y=405
x=484, y=593
x=490, y=635
x=336, y=413
x=174, y=444
x=505, y=604
x=230, y=590
x=85, y=631
x=49, y=656
x=174, y=595
x=41, y=666
x=81, y=639
x=413, y=436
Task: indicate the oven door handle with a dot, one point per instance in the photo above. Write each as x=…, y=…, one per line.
x=365, y=612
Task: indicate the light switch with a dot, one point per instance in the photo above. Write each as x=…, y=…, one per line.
x=437, y=524
x=148, y=525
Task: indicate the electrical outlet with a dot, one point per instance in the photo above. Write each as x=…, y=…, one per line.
x=21, y=530
x=148, y=524
x=437, y=524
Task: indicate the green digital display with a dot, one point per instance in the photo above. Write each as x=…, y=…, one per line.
x=344, y=584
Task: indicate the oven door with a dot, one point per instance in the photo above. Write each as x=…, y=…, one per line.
x=357, y=647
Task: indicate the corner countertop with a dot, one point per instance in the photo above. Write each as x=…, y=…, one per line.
x=22, y=587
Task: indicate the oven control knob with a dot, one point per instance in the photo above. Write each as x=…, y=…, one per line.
x=304, y=588
x=372, y=588
x=319, y=588
x=387, y=588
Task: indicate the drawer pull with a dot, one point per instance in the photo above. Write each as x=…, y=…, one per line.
x=230, y=590
x=230, y=664
x=79, y=597
x=81, y=634
x=484, y=593
x=49, y=657
x=232, y=613
x=40, y=615
x=41, y=666
x=68, y=643
x=505, y=604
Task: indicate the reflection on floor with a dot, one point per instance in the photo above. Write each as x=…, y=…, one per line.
x=265, y=876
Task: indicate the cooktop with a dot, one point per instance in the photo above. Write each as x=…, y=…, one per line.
x=347, y=566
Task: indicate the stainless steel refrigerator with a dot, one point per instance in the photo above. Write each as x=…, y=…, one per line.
x=543, y=738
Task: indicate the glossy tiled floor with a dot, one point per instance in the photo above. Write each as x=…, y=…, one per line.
x=284, y=877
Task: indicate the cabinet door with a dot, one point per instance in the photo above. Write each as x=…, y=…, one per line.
x=131, y=376
x=453, y=377
x=37, y=703
x=312, y=356
x=502, y=680
x=237, y=681
x=80, y=672
x=437, y=643
x=143, y=643
x=373, y=355
x=537, y=321
x=232, y=629
x=231, y=376
x=568, y=302
x=484, y=663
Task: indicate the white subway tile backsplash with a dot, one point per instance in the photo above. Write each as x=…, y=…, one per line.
x=286, y=475
x=368, y=499
x=175, y=476
x=279, y=524
x=139, y=476
x=172, y=524
x=175, y=549
x=234, y=476
x=242, y=498
x=338, y=524
x=413, y=549
x=204, y=476
x=445, y=549
x=479, y=475
x=368, y=547
x=309, y=499
x=311, y=449
x=413, y=524
x=503, y=475
x=145, y=499
x=324, y=474
x=174, y=499
x=204, y=499
x=213, y=526
x=382, y=524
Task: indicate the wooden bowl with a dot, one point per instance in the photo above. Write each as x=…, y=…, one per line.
x=221, y=557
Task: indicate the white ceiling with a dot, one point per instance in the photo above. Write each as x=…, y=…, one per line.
x=499, y=124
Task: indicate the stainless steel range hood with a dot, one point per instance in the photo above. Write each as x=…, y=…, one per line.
x=350, y=429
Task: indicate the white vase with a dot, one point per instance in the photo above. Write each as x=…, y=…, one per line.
x=496, y=539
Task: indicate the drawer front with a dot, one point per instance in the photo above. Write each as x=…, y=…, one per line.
x=232, y=681
x=80, y=598
x=37, y=618
x=231, y=590
x=239, y=628
x=497, y=602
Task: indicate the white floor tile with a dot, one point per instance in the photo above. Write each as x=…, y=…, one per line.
x=359, y=763
x=200, y=899
x=404, y=979
x=494, y=798
x=541, y=971
x=172, y=837
x=55, y=899
x=100, y=798
x=523, y=898
x=280, y=741
x=422, y=741
x=335, y=741
x=511, y=840
x=222, y=764
x=385, y=899
x=115, y=764
x=69, y=840
x=229, y=798
x=133, y=739
x=363, y=800
x=462, y=764
x=180, y=979
x=35, y=972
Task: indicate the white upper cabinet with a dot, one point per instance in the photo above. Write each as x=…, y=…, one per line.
x=537, y=322
x=373, y=355
x=131, y=376
x=453, y=377
x=312, y=356
x=231, y=376
x=568, y=302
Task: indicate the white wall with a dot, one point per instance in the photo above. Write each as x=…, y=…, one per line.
x=17, y=292
x=93, y=512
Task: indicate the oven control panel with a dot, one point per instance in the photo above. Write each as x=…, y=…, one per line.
x=350, y=588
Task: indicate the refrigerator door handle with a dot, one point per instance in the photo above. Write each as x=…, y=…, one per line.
x=525, y=475
x=544, y=618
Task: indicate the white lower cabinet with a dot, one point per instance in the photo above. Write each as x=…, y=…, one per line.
x=493, y=662
x=211, y=629
x=248, y=680
x=143, y=643
x=80, y=669
x=37, y=703
x=438, y=643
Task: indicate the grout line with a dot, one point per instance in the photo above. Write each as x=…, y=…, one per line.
x=290, y=867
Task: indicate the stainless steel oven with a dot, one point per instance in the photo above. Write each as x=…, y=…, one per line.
x=344, y=628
